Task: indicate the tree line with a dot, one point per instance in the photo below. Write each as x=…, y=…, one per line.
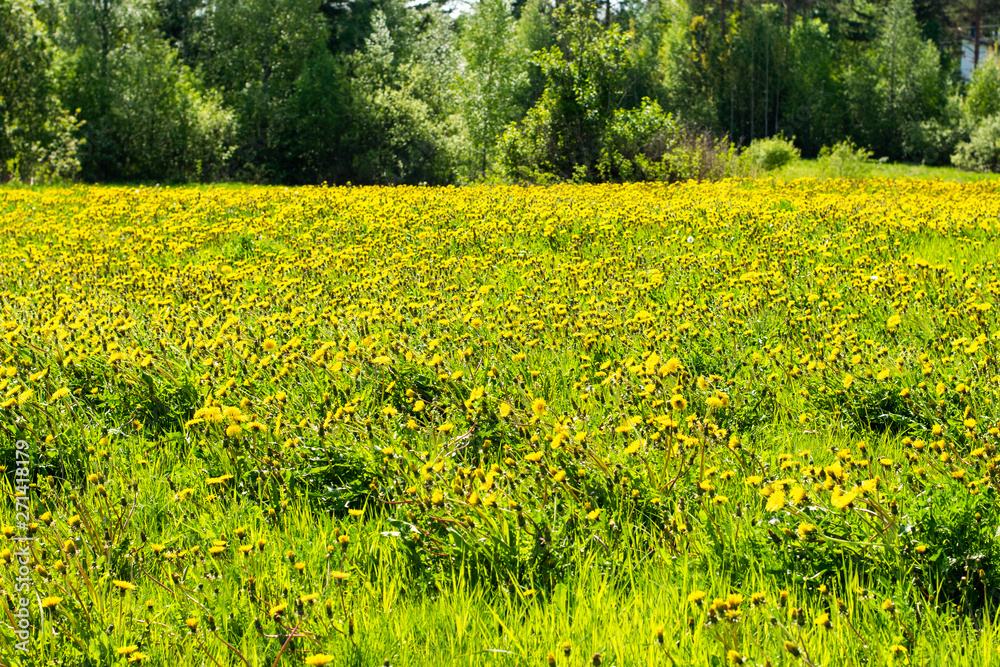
x=390, y=91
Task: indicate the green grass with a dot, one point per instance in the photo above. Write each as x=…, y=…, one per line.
x=875, y=169
x=731, y=423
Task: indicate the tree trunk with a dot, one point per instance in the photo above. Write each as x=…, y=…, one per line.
x=977, y=33
x=767, y=76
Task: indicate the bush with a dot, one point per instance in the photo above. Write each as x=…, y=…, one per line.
x=525, y=149
x=983, y=97
x=647, y=144
x=933, y=141
x=642, y=144
x=982, y=151
x=844, y=160
x=46, y=153
x=165, y=124
x=769, y=154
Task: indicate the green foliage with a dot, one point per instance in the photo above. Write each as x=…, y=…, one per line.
x=933, y=141
x=691, y=83
x=145, y=116
x=586, y=79
x=844, y=160
x=535, y=32
x=982, y=151
x=982, y=98
x=671, y=59
x=495, y=78
x=256, y=56
x=980, y=119
x=814, y=104
x=960, y=541
x=756, y=75
x=290, y=91
x=314, y=134
x=646, y=144
x=770, y=154
x=170, y=128
x=398, y=98
x=896, y=83
x=37, y=136
x=526, y=149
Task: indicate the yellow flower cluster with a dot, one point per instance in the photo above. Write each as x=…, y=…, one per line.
x=500, y=370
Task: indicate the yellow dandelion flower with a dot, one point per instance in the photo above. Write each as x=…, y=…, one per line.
x=776, y=501
x=635, y=446
x=670, y=366
x=539, y=407
x=59, y=393
x=842, y=500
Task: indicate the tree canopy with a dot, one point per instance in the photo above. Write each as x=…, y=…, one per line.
x=384, y=91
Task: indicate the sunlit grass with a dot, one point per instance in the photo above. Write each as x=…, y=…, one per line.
x=815, y=169
x=740, y=422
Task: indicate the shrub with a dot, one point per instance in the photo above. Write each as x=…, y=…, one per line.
x=642, y=144
x=844, y=160
x=769, y=154
x=983, y=97
x=982, y=151
x=527, y=148
x=647, y=144
x=166, y=125
x=562, y=135
x=45, y=153
x=933, y=141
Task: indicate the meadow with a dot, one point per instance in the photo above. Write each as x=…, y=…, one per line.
x=742, y=422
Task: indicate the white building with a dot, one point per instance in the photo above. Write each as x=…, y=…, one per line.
x=987, y=48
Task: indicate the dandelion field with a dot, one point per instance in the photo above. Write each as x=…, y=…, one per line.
x=697, y=424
